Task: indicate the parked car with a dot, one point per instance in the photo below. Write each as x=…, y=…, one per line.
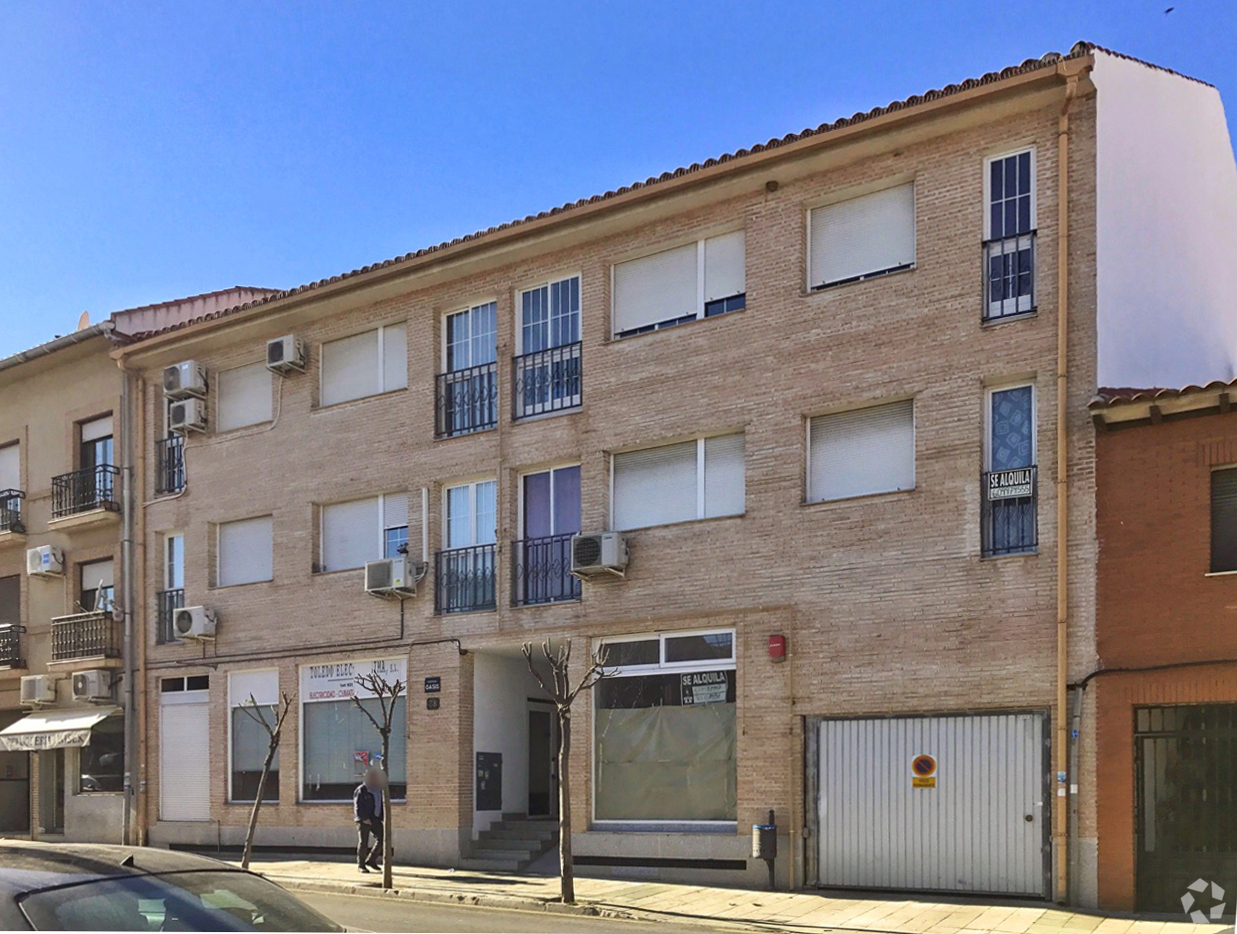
x=92, y=887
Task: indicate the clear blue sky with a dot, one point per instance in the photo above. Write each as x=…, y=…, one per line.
x=150, y=150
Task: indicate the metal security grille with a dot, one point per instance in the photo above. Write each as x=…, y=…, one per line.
x=1186, y=801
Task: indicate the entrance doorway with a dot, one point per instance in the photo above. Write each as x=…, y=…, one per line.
x=542, y=761
x=14, y=792
x=51, y=790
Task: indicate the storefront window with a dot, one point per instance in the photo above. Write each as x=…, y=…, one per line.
x=102, y=760
x=665, y=730
x=253, y=697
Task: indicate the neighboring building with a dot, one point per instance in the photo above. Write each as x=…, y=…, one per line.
x=813, y=384
x=1165, y=689
x=63, y=632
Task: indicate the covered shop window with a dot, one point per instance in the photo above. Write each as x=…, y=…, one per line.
x=101, y=762
x=338, y=741
x=253, y=695
x=665, y=730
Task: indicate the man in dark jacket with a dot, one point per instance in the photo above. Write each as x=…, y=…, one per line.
x=367, y=812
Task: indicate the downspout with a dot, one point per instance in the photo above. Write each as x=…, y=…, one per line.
x=1060, y=746
x=139, y=586
x=129, y=703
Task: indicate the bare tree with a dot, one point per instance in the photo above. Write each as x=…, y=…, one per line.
x=387, y=693
x=274, y=733
x=559, y=689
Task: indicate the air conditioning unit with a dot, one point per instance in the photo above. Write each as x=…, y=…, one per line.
x=37, y=690
x=187, y=415
x=184, y=380
x=392, y=577
x=285, y=355
x=598, y=553
x=193, y=622
x=45, y=561
x=92, y=685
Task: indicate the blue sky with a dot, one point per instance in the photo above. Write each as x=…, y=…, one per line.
x=150, y=150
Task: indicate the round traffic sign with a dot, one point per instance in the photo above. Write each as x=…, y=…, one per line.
x=923, y=766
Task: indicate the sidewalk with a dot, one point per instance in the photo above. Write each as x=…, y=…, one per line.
x=738, y=908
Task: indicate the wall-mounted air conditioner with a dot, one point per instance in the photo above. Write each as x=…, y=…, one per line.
x=184, y=380
x=392, y=577
x=193, y=622
x=598, y=553
x=187, y=415
x=45, y=561
x=285, y=355
x=37, y=690
x=92, y=685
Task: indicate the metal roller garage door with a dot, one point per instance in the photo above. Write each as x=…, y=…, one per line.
x=978, y=824
x=184, y=759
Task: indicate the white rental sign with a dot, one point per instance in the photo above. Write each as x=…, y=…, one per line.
x=331, y=681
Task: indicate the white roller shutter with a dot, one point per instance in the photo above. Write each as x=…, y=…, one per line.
x=245, y=551
x=394, y=510
x=99, y=428
x=724, y=476
x=655, y=288
x=862, y=452
x=870, y=234
x=655, y=486
x=184, y=759
x=244, y=397
x=263, y=685
x=724, y=261
x=350, y=368
x=394, y=358
x=98, y=574
x=351, y=534
x=10, y=467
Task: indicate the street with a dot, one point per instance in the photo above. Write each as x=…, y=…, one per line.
x=396, y=914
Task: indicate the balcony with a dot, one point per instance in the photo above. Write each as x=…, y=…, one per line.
x=547, y=381
x=464, y=579
x=167, y=602
x=10, y=646
x=541, y=571
x=86, y=492
x=11, y=523
x=467, y=401
x=85, y=635
x=1009, y=523
x=1009, y=277
x=170, y=464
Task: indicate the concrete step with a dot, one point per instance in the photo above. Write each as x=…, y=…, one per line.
x=490, y=865
x=516, y=845
x=531, y=834
x=520, y=856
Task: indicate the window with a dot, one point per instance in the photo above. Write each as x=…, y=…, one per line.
x=364, y=365
x=191, y=683
x=1223, y=520
x=172, y=597
x=245, y=551
x=338, y=741
x=1009, y=235
x=697, y=280
x=665, y=729
x=472, y=337
x=10, y=467
x=467, y=393
x=101, y=762
x=244, y=397
x=872, y=235
x=1009, y=493
x=96, y=443
x=252, y=694
x=363, y=530
x=10, y=601
x=862, y=452
x=96, y=586
x=549, y=516
x=550, y=315
x=471, y=514
x=700, y=479
x=547, y=368
x=466, y=571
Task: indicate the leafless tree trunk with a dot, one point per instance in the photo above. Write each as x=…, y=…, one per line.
x=274, y=733
x=559, y=689
x=387, y=693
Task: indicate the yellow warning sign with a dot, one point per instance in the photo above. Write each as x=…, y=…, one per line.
x=923, y=782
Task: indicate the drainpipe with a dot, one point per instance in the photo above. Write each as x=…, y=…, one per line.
x=1060, y=747
x=127, y=592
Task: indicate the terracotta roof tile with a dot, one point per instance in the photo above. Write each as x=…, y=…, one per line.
x=1107, y=396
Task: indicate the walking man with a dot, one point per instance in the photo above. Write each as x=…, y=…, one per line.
x=367, y=812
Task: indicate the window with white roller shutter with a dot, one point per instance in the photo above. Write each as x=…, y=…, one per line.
x=245, y=551
x=243, y=397
x=363, y=530
x=10, y=467
x=862, y=452
x=248, y=740
x=364, y=365
x=871, y=235
x=184, y=754
x=696, y=280
x=682, y=482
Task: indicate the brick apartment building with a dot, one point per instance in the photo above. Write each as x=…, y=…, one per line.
x=830, y=391
x=1165, y=688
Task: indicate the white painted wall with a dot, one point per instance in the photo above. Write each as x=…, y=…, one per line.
x=1166, y=229
x=501, y=690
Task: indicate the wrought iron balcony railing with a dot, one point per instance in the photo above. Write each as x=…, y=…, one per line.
x=170, y=464
x=85, y=635
x=10, y=511
x=1008, y=515
x=10, y=646
x=547, y=381
x=85, y=491
x=465, y=579
x=541, y=571
x=167, y=602
x=1009, y=276
x=467, y=400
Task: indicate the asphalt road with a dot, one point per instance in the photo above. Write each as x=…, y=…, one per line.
x=395, y=914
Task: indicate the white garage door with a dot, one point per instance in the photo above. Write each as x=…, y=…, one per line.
x=977, y=825
x=184, y=757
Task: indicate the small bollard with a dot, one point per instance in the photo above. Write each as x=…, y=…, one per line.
x=764, y=844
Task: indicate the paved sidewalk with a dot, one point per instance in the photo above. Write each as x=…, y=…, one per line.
x=719, y=907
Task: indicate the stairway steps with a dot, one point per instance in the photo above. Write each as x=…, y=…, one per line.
x=491, y=865
x=536, y=837
x=512, y=844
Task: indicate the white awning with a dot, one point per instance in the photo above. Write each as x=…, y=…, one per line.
x=53, y=729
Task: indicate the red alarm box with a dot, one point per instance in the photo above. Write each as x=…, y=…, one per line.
x=777, y=648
